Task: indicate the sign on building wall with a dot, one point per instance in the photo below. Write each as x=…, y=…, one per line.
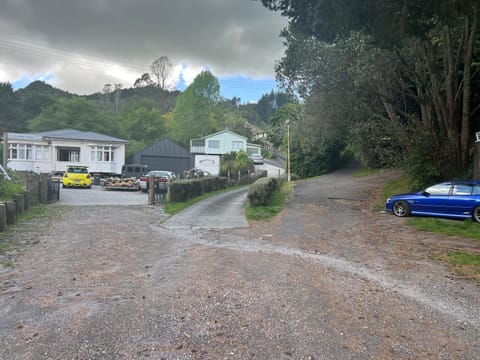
x=17, y=136
x=210, y=163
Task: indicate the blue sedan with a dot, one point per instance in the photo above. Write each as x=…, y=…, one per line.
x=452, y=199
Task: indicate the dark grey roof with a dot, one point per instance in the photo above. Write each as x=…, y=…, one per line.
x=72, y=134
x=165, y=147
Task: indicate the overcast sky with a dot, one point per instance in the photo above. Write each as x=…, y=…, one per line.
x=81, y=45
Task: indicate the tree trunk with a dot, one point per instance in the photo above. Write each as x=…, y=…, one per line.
x=465, y=141
x=450, y=91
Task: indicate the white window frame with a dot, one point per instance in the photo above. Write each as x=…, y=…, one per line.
x=18, y=151
x=42, y=152
x=214, y=144
x=102, y=153
x=237, y=146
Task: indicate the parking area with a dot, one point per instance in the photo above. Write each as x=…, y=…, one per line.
x=97, y=195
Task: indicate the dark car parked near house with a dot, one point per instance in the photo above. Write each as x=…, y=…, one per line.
x=134, y=170
x=160, y=177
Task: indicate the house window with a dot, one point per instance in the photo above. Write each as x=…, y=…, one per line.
x=42, y=152
x=20, y=151
x=68, y=154
x=102, y=153
x=214, y=144
x=237, y=145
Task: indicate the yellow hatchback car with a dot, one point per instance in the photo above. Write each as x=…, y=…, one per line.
x=77, y=176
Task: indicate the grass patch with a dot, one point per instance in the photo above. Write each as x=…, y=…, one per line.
x=8, y=188
x=4, y=248
x=7, y=243
x=274, y=206
x=35, y=212
x=365, y=171
x=465, y=228
x=398, y=186
x=7, y=263
x=465, y=264
x=172, y=208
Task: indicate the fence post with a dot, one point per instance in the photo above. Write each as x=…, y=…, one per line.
x=11, y=213
x=3, y=217
x=28, y=199
x=20, y=203
x=43, y=188
x=151, y=190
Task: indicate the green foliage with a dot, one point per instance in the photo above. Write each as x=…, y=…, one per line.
x=273, y=206
x=10, y=120
x=398, y=186
x=377, y=70
x=466, y=228
x=76, y=113
x=260, y=191
x=464, y=258
x=183, y=190
x=269, y=103
x=291, y=112
x=242, y=163
x=143, y=122
x=8, y=188
x=315, y=159
x=378, y=143
x=424, y=161
x=195, y=111
x=234, y=163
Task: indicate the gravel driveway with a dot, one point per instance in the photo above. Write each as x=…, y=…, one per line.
x=327, y=279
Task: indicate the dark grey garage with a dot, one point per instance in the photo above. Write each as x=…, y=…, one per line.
x=166, y=155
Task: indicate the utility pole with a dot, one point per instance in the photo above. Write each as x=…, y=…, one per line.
x=288, y=150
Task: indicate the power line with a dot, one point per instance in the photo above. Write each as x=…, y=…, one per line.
x=38, y=50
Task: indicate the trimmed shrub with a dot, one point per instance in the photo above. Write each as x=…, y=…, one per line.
x=261, y=190
x=183, y=190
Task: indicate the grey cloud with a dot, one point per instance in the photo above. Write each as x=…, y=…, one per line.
x=229, y=36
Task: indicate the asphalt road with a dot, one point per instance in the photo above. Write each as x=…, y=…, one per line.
x=223, y=211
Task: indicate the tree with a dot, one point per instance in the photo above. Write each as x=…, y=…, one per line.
x=143, y=81
x=291, y=112
x=117, y=94
x=195, y=113
x=107, y=90
x=143, y=122
x=10, y=120
x=161, y=70
x=76, y=113
x=420, y=66
x=268, y=104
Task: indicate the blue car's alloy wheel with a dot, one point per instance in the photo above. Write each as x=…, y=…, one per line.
x=476, y=214
x=402, y=209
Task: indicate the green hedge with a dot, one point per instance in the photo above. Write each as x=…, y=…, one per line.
x=183, y=190
x=261, y=190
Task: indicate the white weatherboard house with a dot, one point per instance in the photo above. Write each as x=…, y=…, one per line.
x=222, y=142
x=208, y=149
x=49, y=151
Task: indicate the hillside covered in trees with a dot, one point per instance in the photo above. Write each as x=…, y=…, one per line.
x=142, y=114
